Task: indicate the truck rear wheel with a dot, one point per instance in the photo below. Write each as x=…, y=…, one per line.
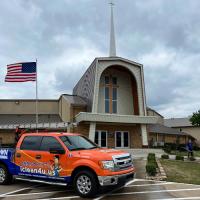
x=5, y=176
x=85, y=183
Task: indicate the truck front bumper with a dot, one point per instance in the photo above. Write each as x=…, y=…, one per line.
x=114, y=180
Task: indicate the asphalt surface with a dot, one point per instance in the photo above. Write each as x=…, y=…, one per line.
x=139, y=189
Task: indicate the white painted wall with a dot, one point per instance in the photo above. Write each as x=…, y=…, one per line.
x=134, y=69
x=124, y=92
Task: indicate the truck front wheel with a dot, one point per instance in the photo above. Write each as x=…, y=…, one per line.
x=85, y=183
x=5, y=176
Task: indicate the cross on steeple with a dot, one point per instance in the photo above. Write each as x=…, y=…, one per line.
x=112, y=33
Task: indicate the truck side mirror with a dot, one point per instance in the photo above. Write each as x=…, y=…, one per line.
x=56, y=151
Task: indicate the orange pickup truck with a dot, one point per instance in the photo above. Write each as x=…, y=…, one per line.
x=65, y=158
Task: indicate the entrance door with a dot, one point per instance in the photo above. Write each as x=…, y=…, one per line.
x=121, y=139
x=101, y=138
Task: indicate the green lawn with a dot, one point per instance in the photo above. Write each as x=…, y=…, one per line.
x=180, y=171
x=196, y=153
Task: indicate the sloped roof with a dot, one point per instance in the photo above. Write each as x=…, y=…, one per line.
x=177, y=122
x=118, y=58
x=75, y=100
x=148, y=108
x=158, y=128
x=28, y=119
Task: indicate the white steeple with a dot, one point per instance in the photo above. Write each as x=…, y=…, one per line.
x=112, y=33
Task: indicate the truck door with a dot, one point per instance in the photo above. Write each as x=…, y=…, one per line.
x=27, y=157
x=57, y=162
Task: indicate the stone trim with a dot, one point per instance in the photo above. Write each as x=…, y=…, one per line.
x=163, y=175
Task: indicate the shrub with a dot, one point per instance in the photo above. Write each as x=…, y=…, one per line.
x=167, y=149
x=151, y=169
x=165, y=156
x=172, y=146
x=178, y=157
x=151, y=164
x=196, y=148
x=151, y=157
x=182, y=148
x=192, y=159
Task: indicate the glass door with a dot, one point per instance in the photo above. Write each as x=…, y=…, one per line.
x=101, y=138
x=121, y=139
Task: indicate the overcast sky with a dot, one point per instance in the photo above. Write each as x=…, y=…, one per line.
x=66, y=35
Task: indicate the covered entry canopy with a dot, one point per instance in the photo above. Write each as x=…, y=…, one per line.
x=111, y=118
x=11, y=121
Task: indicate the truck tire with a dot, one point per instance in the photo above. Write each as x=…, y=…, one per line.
x=5, y=177
x=86, y=183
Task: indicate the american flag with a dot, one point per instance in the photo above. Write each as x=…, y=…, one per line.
x=21, y=72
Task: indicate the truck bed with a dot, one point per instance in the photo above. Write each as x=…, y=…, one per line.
x=6, y=157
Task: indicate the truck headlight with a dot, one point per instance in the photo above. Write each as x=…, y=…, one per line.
x=108, y=164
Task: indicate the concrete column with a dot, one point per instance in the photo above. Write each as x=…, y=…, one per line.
x=92, y=131
x=69, y=128
x=144, y=135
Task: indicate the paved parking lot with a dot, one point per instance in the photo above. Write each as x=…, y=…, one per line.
x=139, y=189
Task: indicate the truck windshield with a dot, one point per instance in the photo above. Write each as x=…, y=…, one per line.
x=77, y=142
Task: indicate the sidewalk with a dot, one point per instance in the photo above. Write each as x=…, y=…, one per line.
x=140, y=168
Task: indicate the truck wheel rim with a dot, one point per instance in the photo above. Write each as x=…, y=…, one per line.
x=84, y=184
x=2, y=175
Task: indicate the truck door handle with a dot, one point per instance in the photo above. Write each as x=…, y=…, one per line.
x=18, y=155
x=38, y=156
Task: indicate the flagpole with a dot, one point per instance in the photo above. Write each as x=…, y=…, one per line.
x=36, y=98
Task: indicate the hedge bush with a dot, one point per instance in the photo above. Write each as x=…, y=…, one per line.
x=192, y=159
x=178, y=157
x=196, y=148
x=151, y=164
x=151, y=169
x=167, y=149
x=172, y=146
x=165, y=156
x=151, y=157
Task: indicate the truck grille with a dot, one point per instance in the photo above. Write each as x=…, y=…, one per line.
x=122, y=162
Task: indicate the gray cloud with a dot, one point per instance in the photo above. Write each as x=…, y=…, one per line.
x=65, y=36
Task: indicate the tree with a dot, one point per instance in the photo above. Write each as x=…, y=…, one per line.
x=195, y=119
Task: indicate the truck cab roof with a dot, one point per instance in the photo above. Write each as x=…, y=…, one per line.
x=49, y=134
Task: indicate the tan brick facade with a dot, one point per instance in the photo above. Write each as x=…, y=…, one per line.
x=135, y=139
x=76, y=110
x=82, y=129
x=167, y=138
x=7, y=137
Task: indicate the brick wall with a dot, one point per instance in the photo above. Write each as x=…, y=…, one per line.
x=134, y=133
x=168, y=138
x=7, y=136
x=82, y=129
x=74, y=110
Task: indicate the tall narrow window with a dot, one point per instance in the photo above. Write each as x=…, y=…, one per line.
x=96, y=138
x=114, y=100
x=101, y=138
x=107, y=100
x=122, y=139
x=110, y=94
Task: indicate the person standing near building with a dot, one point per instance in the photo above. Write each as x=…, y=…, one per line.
x=18, y=133
x=189, y=148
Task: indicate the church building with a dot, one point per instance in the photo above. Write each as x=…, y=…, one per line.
x=108, y=105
